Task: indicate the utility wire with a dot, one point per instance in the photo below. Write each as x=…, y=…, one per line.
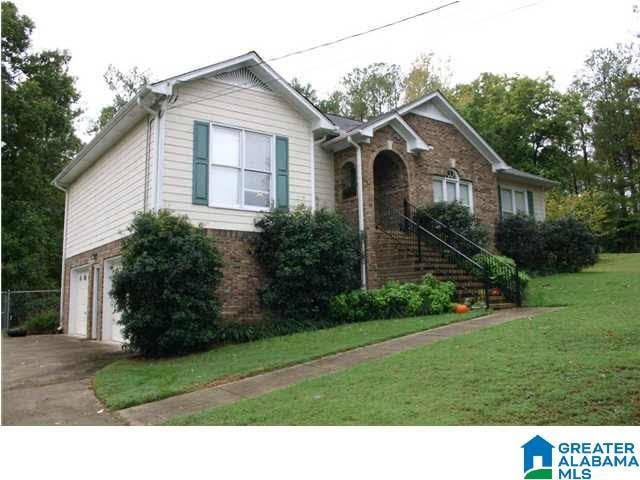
x=315, y=47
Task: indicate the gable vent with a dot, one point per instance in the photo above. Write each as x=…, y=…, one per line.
x=242, y=78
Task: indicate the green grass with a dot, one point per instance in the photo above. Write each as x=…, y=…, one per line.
x=580, y=365
x=134, y=381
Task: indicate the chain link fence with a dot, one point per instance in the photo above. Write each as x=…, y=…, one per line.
x=20, y=305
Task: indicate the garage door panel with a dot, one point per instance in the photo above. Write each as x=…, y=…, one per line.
x=111, y=328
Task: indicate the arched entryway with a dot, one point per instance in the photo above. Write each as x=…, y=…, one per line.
x=390, y=186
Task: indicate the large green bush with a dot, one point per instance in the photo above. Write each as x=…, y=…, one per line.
x=562, y=245
x=42, y=322
x=497, y=267
x=570, y=245
x=308, y=257
x=395, y=300
x=457, y=217
x=166, y=286
x=520, y=238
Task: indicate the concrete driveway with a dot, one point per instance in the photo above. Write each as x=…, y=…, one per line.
x=46, y=380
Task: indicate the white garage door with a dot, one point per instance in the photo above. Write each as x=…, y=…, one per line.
x=111, y=329
x=79, y=301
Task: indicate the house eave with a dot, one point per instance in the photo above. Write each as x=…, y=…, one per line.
x=127, y=116
x=512, y=174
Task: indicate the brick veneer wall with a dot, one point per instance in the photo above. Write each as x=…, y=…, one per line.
x=450, y=149
x=242, y=277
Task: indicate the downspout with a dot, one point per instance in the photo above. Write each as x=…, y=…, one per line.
x=147, y=181
x=64, y=249
x=361, y=234
x=313, y=174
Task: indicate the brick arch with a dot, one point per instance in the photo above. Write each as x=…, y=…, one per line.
x=390, y=183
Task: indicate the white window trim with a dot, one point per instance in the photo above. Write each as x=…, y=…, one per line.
x=457, y=183
x=513, y=191
x=241, y=168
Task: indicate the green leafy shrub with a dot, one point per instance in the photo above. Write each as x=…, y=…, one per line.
x=457, y=217
x=562, y=245
x=570, y=245
x=393, y=301
x=520, y=238
x=43, y=322
x=166, y=286
x=17, y=332
x=308, y=257
x=499, y=275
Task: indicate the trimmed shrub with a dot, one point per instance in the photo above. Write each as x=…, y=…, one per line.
x=457, y=217
x=562, y=245
x=395, y=300
x=308, y=257
x=520, y=238
x=498, y=275
x=166, y=286
x=17, y=332
x=43, y=322
x=570, y=245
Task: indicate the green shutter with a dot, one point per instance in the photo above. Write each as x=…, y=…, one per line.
x=499, y=201
x=282, y=172
x=200, y=184
x=530, y=201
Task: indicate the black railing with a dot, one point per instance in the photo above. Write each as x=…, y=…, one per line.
x=471, y=277
x=502, y=275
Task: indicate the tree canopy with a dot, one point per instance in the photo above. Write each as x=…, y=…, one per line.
x=39, y=107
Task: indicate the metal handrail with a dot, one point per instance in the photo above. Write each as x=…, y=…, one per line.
x=455, y=232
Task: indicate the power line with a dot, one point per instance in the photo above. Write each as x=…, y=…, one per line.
x=316, y=47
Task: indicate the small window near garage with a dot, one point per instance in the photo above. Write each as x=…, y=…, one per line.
x=349, y=181
x=452, y=189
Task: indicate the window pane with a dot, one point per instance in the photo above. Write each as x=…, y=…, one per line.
x=225, y=184
x=258, y=152
x=225, y=148
x=506, y=200
x=256, y=199
x=437, y=191
x=451, y=192
x=257, y=181
x=520, y=206
x=464, y=194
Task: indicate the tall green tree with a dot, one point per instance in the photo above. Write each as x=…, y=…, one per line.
x=427, y=74
x=610, y=86
x=372, y=90
x=39, y=106
x=124, y=86
x=526, y=120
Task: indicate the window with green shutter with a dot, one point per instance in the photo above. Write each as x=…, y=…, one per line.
x=200, y=184
x=282, y=172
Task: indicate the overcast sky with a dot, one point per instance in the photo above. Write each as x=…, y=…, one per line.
x=528, y=37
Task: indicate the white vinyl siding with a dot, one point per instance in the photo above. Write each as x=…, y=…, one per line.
x=538, y=197
x=104, y=199
x=325, y=179
x=251, y=109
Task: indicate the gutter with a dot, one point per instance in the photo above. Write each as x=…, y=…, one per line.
x=361, y=233
x=64, y=250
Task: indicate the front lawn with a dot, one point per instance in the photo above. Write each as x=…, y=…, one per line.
x=134, y=381
x=580, y=365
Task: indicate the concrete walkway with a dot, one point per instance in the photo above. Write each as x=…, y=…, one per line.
x=46, y=380
x=157, y=412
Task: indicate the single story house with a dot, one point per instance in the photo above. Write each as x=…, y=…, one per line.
x=225, y=143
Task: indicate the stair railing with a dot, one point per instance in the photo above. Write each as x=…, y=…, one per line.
x=502, y=275
x=397, y=225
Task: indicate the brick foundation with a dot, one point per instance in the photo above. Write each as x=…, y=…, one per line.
x=238, y=292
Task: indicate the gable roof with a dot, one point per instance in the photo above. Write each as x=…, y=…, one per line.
x=150, y=96
x=442, y=110
x=522, y=176
x=365, y=131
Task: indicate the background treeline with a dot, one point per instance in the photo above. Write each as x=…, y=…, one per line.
x=587, y=138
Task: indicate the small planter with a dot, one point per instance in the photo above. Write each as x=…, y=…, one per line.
x=495, y=292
